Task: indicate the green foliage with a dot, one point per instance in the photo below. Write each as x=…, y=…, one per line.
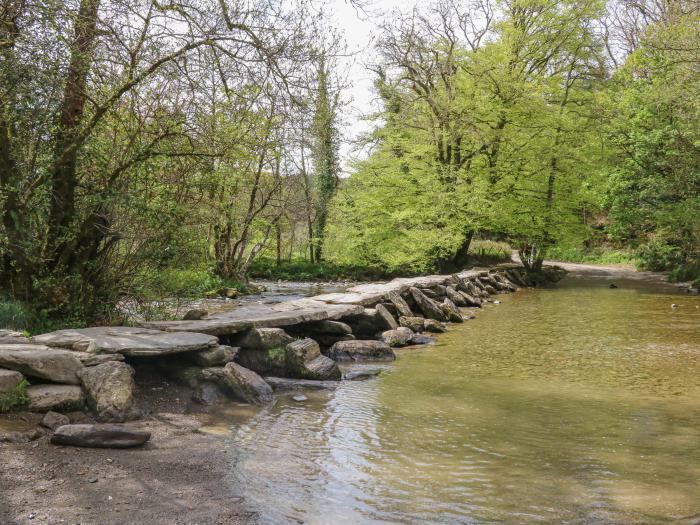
x=184, y=283
x=652, y=191
x=14, y=315
x=16, y=398
x=489, y=252
x=597, y=255
x=18, y=315
x=303, y=270
x=276, y=358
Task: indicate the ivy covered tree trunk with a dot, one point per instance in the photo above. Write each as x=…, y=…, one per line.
x=325, y=156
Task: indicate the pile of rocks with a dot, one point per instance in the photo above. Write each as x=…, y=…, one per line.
x=243, y=354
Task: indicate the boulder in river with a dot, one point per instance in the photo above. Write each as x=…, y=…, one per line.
x=431, y=325
x=110, y=390
x=451, y=311
x=362, y=374
x=43, y=398
x=422, y=339
x=413, y=323
x=59, y=366
x=400, y=304
x=361, y=351
x=262, y=339
x=470, y=300
x=328, y=340
x=430, y=308
x=385, y=315
x=304, y=360
x=99, y=436
x=240, y=383
x=365, y=324
x=455, y=296
x=399, y=337
x=323, y=327
x=214, y=356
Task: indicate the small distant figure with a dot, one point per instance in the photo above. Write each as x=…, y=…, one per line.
x=674, y=305
x=613, y=285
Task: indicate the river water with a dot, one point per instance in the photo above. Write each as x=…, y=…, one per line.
x=578, y=405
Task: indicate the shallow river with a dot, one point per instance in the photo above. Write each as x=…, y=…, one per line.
x=574, y=405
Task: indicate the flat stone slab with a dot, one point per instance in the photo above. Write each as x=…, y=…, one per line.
x=372, y=293
x=281, y=384
x=126, y=340
x=59, y=366
x=287, y=313
x=99, y=436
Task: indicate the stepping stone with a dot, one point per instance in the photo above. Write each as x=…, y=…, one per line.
x=127, y=340
x=361, y=375
x=284, y=384
x=99, y=436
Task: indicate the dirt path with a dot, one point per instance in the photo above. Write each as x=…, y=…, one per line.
x=612, y=271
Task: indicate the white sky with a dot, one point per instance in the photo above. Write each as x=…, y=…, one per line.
x=359, y=28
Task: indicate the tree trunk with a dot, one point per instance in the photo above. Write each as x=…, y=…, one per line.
x=64, y=173
x=278, y=242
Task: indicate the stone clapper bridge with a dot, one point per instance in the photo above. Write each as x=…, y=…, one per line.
x=248, y=352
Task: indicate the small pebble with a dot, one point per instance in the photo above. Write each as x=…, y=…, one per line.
x=300, y=397
x=92, y=480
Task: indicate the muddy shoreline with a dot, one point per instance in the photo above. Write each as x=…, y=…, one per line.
x=181, y=476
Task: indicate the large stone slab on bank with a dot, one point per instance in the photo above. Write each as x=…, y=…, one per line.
x=127, y=340
x=287, y=313
x=43, y=398
x=110, y=390
x=99, y=436
x=59, y=366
